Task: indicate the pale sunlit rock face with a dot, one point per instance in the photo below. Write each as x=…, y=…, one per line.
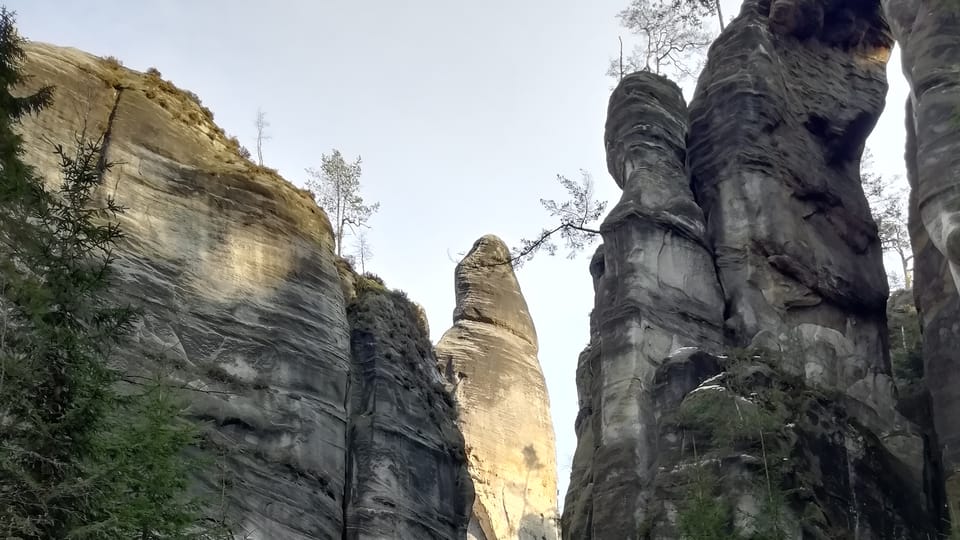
x=234, y=272
x=489, y=358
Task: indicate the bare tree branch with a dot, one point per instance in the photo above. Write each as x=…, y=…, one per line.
x=576, y=216
x=888, y=209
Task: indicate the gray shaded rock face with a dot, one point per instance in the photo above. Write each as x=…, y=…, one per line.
x=489, y=358
x=782, y=261
x=656, y=291
x=778, y=123
x=234, y=271
x=938, y=305
x=928, y=32
x=742, y=430
x=777, y=126
x=407, y=468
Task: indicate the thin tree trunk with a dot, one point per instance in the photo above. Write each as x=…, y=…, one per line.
x=720, y=14
x=621, y=57
x=907, y=278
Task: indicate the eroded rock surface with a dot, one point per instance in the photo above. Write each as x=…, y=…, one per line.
x=234, y=271
x=489, y=357
x=407, y=468
x=938, y=305
x=928, y=32
x=656, y=291
x=778, y=123
x=784, y=259
x=773, y=456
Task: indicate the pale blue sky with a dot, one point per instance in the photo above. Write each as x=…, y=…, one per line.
x=464, y=112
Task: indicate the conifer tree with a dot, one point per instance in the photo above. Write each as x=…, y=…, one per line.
x=77, y=459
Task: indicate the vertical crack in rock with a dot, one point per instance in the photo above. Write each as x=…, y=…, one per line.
x=656, y=292
x=108, y=133
x=928, y=33
x=233, y=270
x=489, y=357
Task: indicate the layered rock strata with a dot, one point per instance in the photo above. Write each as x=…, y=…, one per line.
x=233, y=269
x=928, y=33
x=778, y=124
x=656, y=291
x=788, y=264
x=938, y=306
x=775, y=163
x=489, y=357
x=406, y=462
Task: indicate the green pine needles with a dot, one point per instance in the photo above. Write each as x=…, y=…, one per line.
x=78, y=458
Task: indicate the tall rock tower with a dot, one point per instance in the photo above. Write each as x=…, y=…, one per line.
x=490, y=356
x=928, y=33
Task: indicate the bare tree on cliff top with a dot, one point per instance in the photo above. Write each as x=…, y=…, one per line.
x=262, y=126
x=576, y=221
x=671, y=36
x=336, y=186
x=888, y=208
x=362, y=250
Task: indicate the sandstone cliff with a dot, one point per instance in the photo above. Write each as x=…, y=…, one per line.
x=796, y=249
x=938, y=304
x=405, y=469
x=793, y=431
x=774, y=154
x=656, y=291
x=318, y=425
x=928, y=33
x=489, y=357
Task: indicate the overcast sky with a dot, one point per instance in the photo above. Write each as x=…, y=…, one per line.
x=464, y=113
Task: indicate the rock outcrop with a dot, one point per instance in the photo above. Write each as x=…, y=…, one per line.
x=938, y=305
x=489, y=358
x=738, y=376
x=796, y=249
x=656, y=291
x=928, y=33
x=778, y=124
x=234, y=271
x=406, y=459
x=747, y=443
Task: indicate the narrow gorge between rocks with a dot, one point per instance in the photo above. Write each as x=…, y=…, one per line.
x=738, y=375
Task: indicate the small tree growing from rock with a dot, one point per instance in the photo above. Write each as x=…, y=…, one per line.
x=262, y=125
x=671, y=34
x=337, y=186
x=363, y=251
x=576, y=217
x=888, y=208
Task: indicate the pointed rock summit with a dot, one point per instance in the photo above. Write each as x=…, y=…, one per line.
x=488, y=292
x=490, y=358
